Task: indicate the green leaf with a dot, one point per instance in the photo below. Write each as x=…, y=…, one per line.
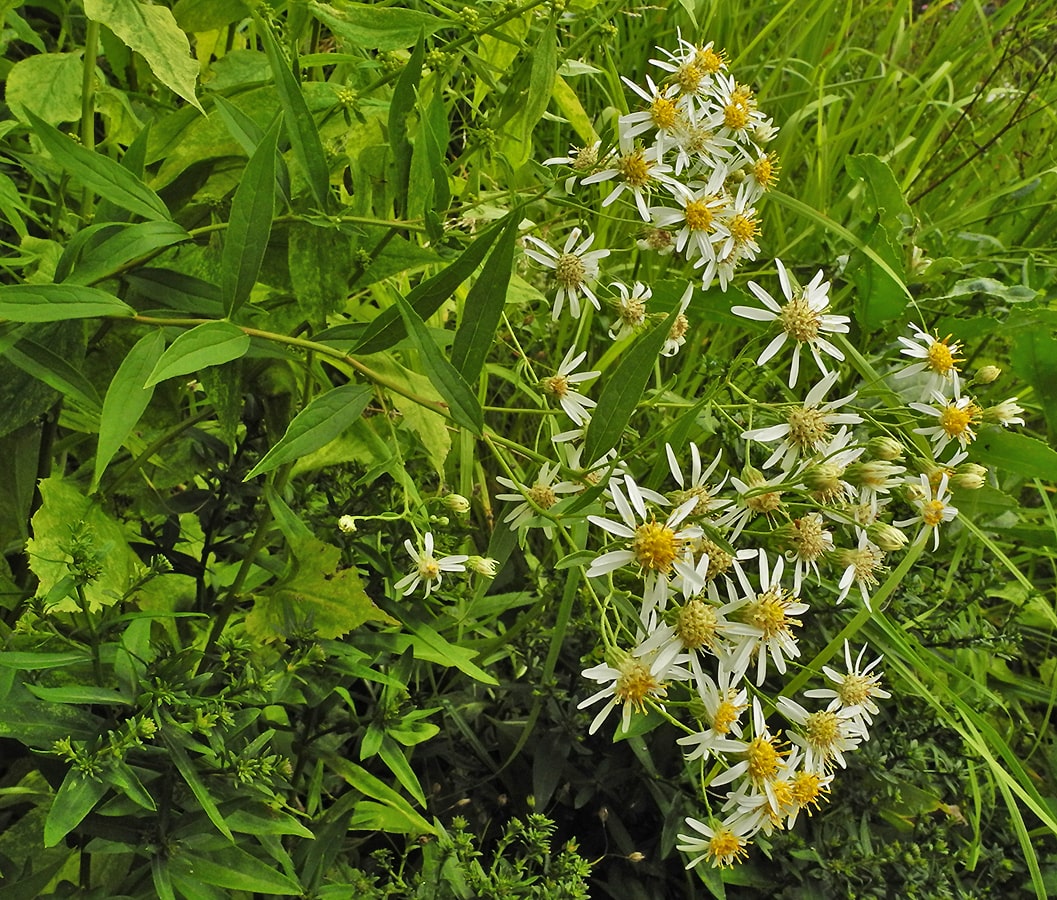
x=129, y=242
x=187, y=771
x=124, y=778
x=394, y=758
x=54, y=371
x=76, y=797
x=320, y=260
x=484, y=304
x=317, y=594
x=427, y=297
x=100, y=173
x=622, y=389
x=235, y=870
x=300, y=126
x=542, y=74
x=261, y=819
x=886, y=197
x=57, y=303
x=208, y=344
x=39, y=725
x=1013, y=452
x=35, y=662
x=326, y=417
x=374, y=27
x=195, y=16
x=126, y=399
x=462, y=402
x=370, y=786
x=78, y=693
x=430, y=646
x=401, y=106
x=250, y=226
x=153, y=33
x=49, y=85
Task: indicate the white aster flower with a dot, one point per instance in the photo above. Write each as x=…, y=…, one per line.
x=802, y=317
x=697, y=221
x=630, y=684
x=861, y=567
x=933, y=509
x=677, y=333
x=428, y=569
x=956, y=419
x=575, y=269
x=696, y=482
x=856, y=687
x=723, y=703
x=542, y=494
x=661, y=115
x=742, y=226
x=562, y=387
x=810, y=542
x=631, y=309
x=1006, y=413
x=755, y=496
x=638, y=170
x=825, y=735
x=761, y=757
x=937, y=358
x=722, y=843
x=582, y=160
x=692, y=68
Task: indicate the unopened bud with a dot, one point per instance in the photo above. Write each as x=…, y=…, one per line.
x=887, y=537
x=824, y=478
x=884, y=447
x=457, y=503
x=347, y=524
x=969, y=476
x=483, y=565
x=987, y=374
x=875, y=473
x=636, y=857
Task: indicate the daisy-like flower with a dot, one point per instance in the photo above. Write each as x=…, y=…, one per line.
x=761, y=174
x=762, y=808
x=810, y=542
x=938, y=358
x=762, y=756
x=698, y=220
x=696, y=483
x=677, y=333
x=542, y=494
x=737, y=115
x=802, y=317
x=652, y=546
x=661, y=115
x=1006, y=413
x=428, y=570
x=861, y=567
x=933, y=509
x=691, y=67
x=825, y=735
x=582, y=160
x=825, y=475
x=807, y=428
x=856, y=687
x=638, y=170
x=699, y=149
x=956, y=419
x=742, y=226
x=561, y=386
x=630, y=684
x=722, y=843
x=874, y=477
x=722, y=704
x=771, y=614
x=756, y=496
x=631, y=309
x=575, y=269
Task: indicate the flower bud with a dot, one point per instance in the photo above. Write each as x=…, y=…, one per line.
x=969, y=476
x=824, y=478
x=457, y=503
x=483, y=565
x=887, y=537
x=987, y=374
x=1006, y=413
x=875, y=473
x=884, y=447
x=346, y=524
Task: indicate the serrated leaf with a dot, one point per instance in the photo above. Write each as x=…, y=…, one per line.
x=317, y=594
x=126, y=399
x=208, y=344
x=57, y=303
x=622, y=389
x=1013, y=452
x=461, y=400
x=152, y=32
x=100, y=173
x=54, y=371
x=76, y=797
x=49, y=85
x=374, y=27
x=326, y=417
x=250, y=226
x=484, y=305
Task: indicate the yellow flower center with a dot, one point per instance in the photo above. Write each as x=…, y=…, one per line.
x=557, y=385
x=768, y=613
x=664, y=113
x=810, y=538
x=719, y=561
x=698, y=215
x=542, y=496
x=636, y=683
x=570, y=271
x=941, y=357
x=428, y=568
x=696, y=625
x=735, y=115
x=822, y=729
x=726, y=715
x=955, y=420
x=679, y=328
x=764, y=759
x=725, y=847
x=708, y=61
x=743, y=229
x=688, y=78
x=634, y=169
x=584, y=158
x=655, y=546
x=807, y=427
x=799, y=320
x=765, y=171
x=764, y=504
x=855, y=689
x=865, y=562
x=932, y=512
x=700, y=493
x=807, y=788
x=632, y=311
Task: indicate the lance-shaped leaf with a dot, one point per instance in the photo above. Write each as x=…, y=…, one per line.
x=401, y=106
x=126, y=399
x=375, y=27
x=152, y=32
x=317, y=425
x=101, y=174
x=209, y=344
x=77, y=797
x=38, y=361
x=484, y=306
x=623, y=389
x=461, y=400
x=57, y=303
x=127, y=243
x=250, y=226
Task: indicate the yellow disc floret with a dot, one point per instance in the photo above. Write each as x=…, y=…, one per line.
x=655, y=546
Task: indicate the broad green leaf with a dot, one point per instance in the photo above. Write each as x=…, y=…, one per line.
x=1034, y=356
x=430, y=646
x=622, y=389
x=34, y=662
x=394, y=758
x=194, y=16
x=49, y=85
x=317, y=594
x=326, y=417
x=54, y=371
x=401, y=106
x=64, y=514
x=297, y=118
x=379, y=817
x=427, y=297
x=124, y=778
x=76, y=797
x=57, y=303
x=128, y=243
x=320, y=260
x=573, y=110
x=543, y=65
x=175, y=290
x=245, y=817
x=187, y=771
x=100, y=173
x=370, y=786
x=252, y=210
x=484, y=304
x=208, y=344
x=39, y=725
x=884, y=191
x=1013, y=452
x=374, y=27
x=244, y=129
x=236, y=870
x=462, y=402
x=78, y=694
x=152, y=32
x=126, y=399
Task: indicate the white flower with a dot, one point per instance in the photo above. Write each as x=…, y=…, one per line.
x=938, y=358
x=543, y=494
x=826, y=734
x=699, y=219
x=956, y=419
x=724, y=704
x=637, y=170
x=631, y=308
x=856, y=687
x=583, y=160
x=561, y=386
x=1006, y=413
x=677, y=333
x=696, y=484
x=428, y=569
x=810, y=541
x=861, y=567
x=575, y=269
x=742, y=226
x=723, y=843
x=636, y=680
x=661, y=114
x=755, y=496
x=933, y=509
x=802, y=318
x=736, y=115
x=762, y=757
x=347, y=524
x=807, y=428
